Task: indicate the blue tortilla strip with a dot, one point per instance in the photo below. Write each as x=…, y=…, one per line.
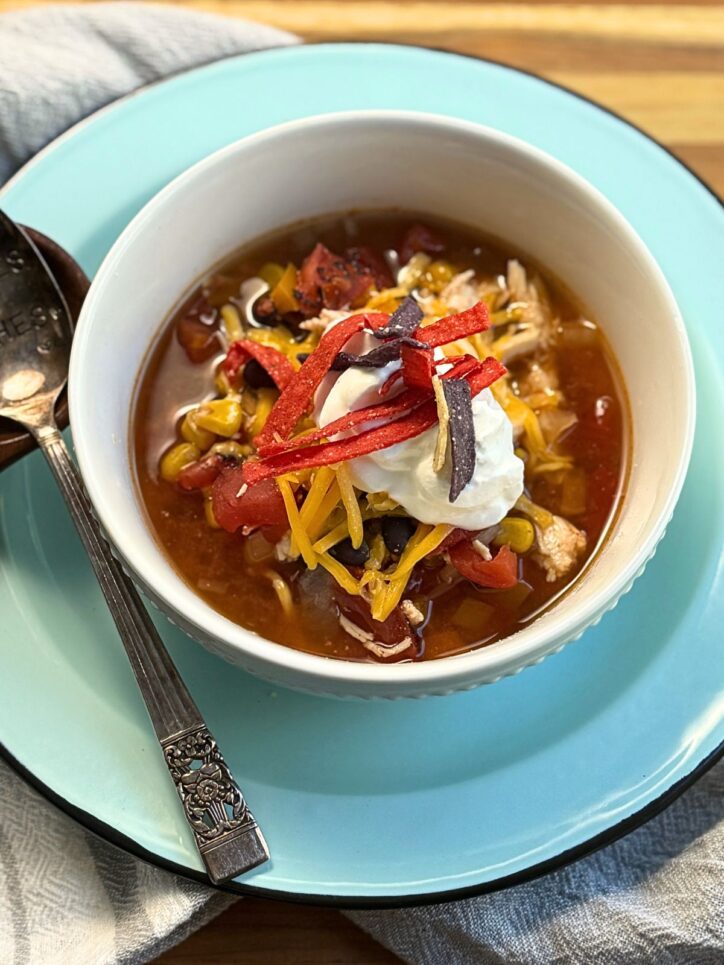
x=378, y=357
x=462, y=434
x=404, y=321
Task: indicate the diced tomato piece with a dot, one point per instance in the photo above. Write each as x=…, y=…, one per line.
x=326, y=280
x=367, y=259
x=202, y=473
x=272, y=534
x=419, y=237
x=199, y=341
x=454, y=537
x=235, y=505
x=392, y=630
x=196, y=330
x=500, y=573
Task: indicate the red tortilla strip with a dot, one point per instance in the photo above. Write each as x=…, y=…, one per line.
x=450, y=329
x=417, y=367
x=382, y=410
x=272, y=360
x=487, y=372
x=328, y=453
x=277, y=453
x=297, y=396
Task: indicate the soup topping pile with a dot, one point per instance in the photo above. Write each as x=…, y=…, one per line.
x=378, y=425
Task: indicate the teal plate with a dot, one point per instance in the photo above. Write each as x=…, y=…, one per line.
x=375, y=803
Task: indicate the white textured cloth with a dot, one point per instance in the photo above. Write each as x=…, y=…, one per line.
x=655, y=897
x=68, y=898
x=60, y=63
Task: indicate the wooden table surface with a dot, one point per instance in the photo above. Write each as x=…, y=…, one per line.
x=660, y=64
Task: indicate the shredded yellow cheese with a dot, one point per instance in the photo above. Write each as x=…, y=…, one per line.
x=299, y=533
x=381, y=502
x=281, y=588
x=349, y=498
x=387, y=588
x=333, y=537
x=555, y=465
x=320, y=484
x=323, y=479
x=422, y=547
x=380, y=299
x=340, y=573
x=316, y=525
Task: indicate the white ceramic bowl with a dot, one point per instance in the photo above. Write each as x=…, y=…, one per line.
x=421, y=163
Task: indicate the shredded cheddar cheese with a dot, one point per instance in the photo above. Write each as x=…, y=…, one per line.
x=331, y=500
x=300, y=537
x=349, y=498
x=333, y=537
x=340, y=573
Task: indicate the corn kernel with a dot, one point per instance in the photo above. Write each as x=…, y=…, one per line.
x=231, y=448
x=221, y=381
x=516, y=533
x=176, y=458
x=192, y=433
x=222, y=416
x=209, y=513
x=437, y=275
x=282, y=294
x=231, y=319
x=378, y=552
x=271, y=273
x=409, y=276
x=264, y=402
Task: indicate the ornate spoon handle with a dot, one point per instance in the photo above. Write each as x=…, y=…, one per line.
x=226, y=833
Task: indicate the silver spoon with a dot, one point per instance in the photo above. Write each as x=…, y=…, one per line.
x=35, y=337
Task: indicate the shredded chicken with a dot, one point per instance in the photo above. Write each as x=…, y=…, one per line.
x=482, y=550
x=322, y=321
x=381, y=650
x=558, y=547
x=512, y=346
x=517, y=281
x=282, y=550
x=413, y=614
x=555, y=423
x=461, y=292
x=539, y=377
x=494, y=292
x=536, y=310
x=385, y=651
x=364, y=636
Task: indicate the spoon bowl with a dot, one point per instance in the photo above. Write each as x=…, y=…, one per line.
x=35, y=330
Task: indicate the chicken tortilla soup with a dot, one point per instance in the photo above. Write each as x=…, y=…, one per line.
x=381, y=438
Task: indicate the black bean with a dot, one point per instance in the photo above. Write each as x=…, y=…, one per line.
x=345, y=553
x=396, y=532
x=256, y=376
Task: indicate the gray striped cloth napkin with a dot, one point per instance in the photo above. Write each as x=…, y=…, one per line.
x=657, y=896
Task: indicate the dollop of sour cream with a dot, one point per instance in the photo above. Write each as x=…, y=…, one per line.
x=405, y=471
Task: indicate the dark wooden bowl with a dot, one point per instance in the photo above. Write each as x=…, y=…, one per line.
x=74, y=284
